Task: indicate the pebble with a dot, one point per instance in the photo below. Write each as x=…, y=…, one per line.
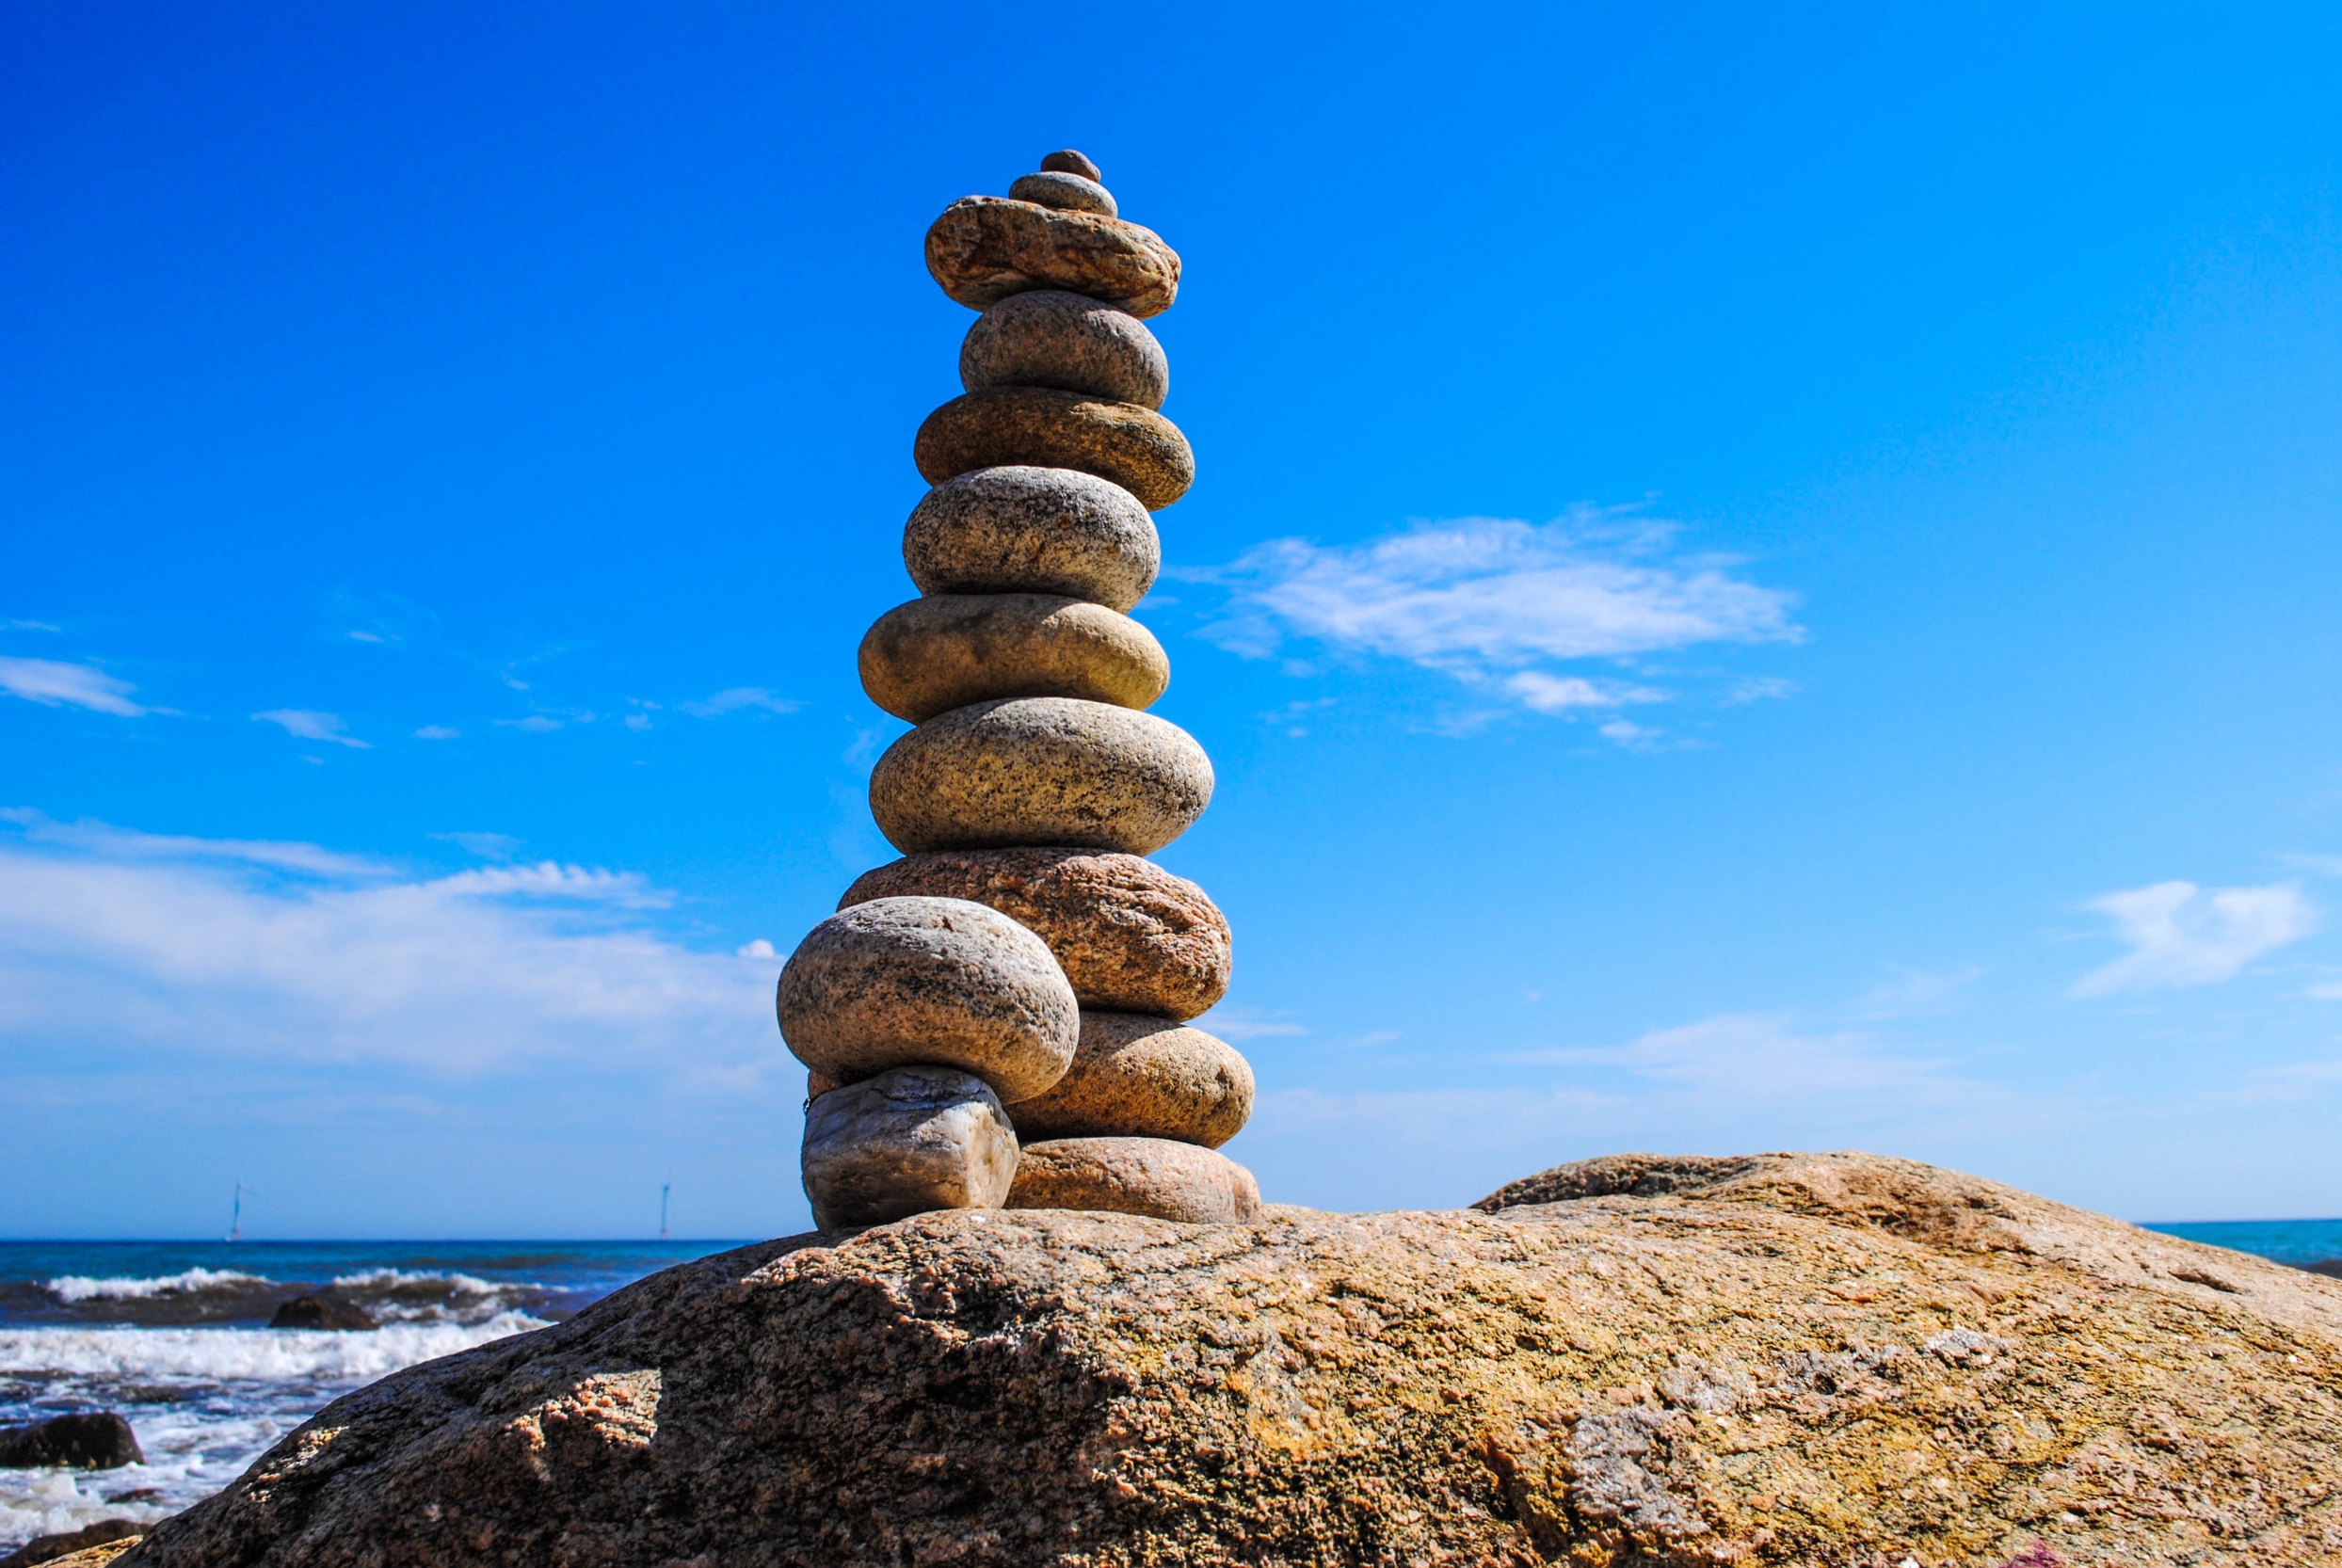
x=1033, y=530
x=1151, y=1077
x=1130, y=936
x=935, y=654
x=1067, y=161
x=1041, y=770
x=984, y=249
x=1050, y=338
x=1043, y=427
x=1067, y=193
x=1153, y=1176
x=929, y=980
x=911, y=1139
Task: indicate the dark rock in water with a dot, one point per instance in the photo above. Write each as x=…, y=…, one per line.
x=2331, y=1267
x=93, y=1440
x=322, y=1311
x=1834, y=1359
x=48, y=1548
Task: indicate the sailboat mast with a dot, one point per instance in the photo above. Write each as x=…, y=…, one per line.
x=665, y=1188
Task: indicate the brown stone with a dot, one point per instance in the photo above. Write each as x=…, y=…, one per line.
x=1046, y=428
x=1147, y=1077
x=1033, y=530
x=984, y=249
x=1050, y=338
x=935, y=654
x=905, y=1142
x=1067, y=161
x=1066, y=192
x=1153, y=1176
x=1130, y=936
x=1041, y=770
x=1821, y=1359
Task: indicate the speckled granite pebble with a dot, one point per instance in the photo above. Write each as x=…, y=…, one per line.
x=1044, y=428
x=986, y=248
x=1033, y=530
x=1067, y=193
x=907, y=1142
x=935, y=654
x=1050, y=338
x=1153, y=1176
x=899, y=981
x=1147, y=1076
x=1067, y=161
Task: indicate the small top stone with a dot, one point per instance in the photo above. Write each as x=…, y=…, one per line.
x=1067, y=161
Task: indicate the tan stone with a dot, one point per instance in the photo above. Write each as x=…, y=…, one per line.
x=935, y=654
x=899, y=981
x=1041, y=770
x=1150, y=1078
x=1130, y=936
x=1020, y=529
x=984, y=249
x=905, y=1142
x=1066, y=160
x=1153, y=1176
x=1065, y=191
x=1050, y=338
x=1046, y=428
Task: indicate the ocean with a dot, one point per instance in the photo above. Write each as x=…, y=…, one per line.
x=173, y=1335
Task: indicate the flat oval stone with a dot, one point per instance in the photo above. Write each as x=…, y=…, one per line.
x=986, y=248
x=1144, y=1076
x=1067, y=161
x=1154, y=1176
x=1033, y=530
x=905, y=1142
x=1044, y=428
x=899, y=981
x=1130, y=936
x=1050, y=338
x=1041, y=770
x=1065, y=191
x=935, y=654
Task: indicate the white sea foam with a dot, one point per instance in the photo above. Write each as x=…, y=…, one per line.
x=410, y=1279
x=231, y=1354
x=81, y=1287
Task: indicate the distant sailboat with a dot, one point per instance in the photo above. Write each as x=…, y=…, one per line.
x=665, y=1188
x=236, y=1219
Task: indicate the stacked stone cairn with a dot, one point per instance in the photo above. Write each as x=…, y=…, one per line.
x=997, y=1019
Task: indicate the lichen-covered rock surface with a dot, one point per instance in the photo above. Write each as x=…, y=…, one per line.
x=1790, y=1359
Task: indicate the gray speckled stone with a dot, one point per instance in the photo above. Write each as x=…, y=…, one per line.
x=900, y=981
x=1144, y=1076
x=908, y=1140
x=1067, y=161
x=996, y=426
x=986, y=248
x=1050, y=338
x=1041, y=770
x=1033, y=530
x=1067, y=193
x=935, y=654
x=1153, y=1176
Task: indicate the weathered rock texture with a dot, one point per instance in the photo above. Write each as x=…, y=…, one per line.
x=905, y=1142
x=900, y=981
x=1050, y=338
x=1060, y=189
x=1046, y=428
x=1041, y=770
x=1147, y=1076
x=1130, y=936
x=85, y=1440
x=1805, y=1359
x=1019, y=529
x=984, y=249
x=946, y=652
x=1156, y=1177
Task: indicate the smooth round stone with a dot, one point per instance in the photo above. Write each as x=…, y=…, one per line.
x=943, y=981
x=1044, y=428
x=986, y=248
x=1067, y=161
x=1130, y=936
x=1154, y=1176
x=908, y=1140
x=1033, y=530
x=1050, y=338
x=1148, y=1077
x=935, y=654
x=1041, y=770
x=1066, y=192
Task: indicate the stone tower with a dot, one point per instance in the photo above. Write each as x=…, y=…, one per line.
x=998, y=1018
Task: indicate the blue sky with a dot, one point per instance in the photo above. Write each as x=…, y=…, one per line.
x=1757, y=579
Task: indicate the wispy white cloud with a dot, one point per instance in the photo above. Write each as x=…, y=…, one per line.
x=488, y=847
x=735, y=698
x=31, y=626
x=1755, y=1058
x=2181, y=934
x=50, y=682
x=307, y=724
x=123, y=844
x=1244, y=1023
x=437, y=732
x=1496, y=601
